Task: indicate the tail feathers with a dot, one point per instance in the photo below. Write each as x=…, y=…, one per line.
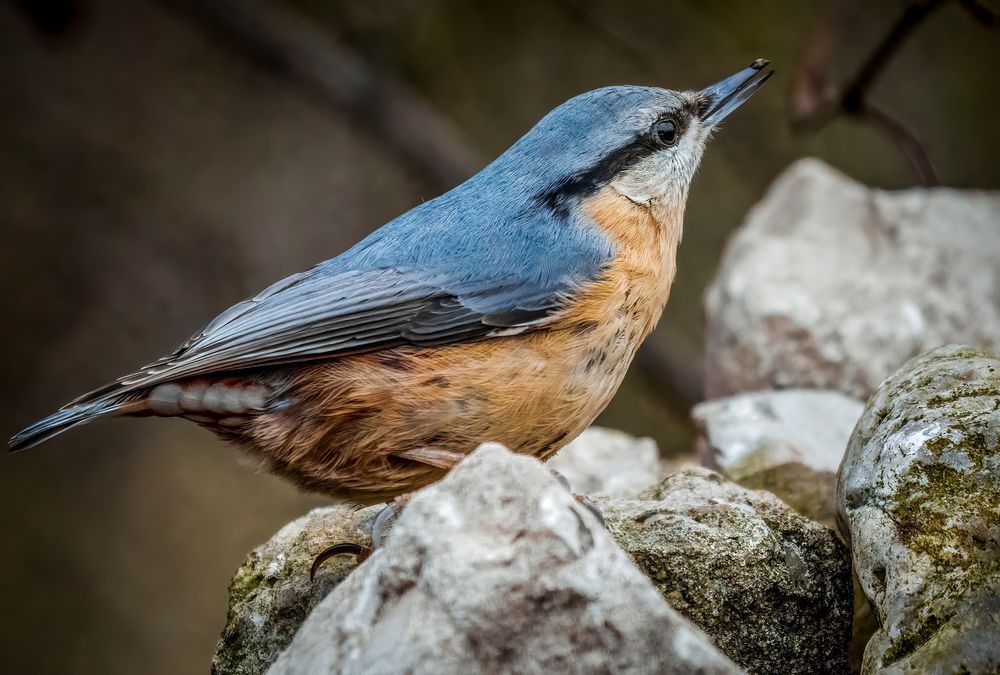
x=72, y=416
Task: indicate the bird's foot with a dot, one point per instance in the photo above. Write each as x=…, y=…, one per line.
x=584, y=500
x=385, y=516
x=360, y=551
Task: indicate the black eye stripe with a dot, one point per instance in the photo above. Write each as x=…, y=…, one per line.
x=585, y=183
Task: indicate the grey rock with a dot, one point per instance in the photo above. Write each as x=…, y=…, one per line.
x=920, y=495
x=496, y=568
x=830, y=284
x=772, y=588
x=788, y=442
x=271, y=594
x=609, y=462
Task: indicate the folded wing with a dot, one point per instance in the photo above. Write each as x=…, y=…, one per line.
x=321, y=314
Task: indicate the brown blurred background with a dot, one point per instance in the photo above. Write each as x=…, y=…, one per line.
x=155, y=169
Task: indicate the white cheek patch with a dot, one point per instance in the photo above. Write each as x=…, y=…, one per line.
x=664, y=176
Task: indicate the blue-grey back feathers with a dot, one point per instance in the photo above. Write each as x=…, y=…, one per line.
x=493, y=256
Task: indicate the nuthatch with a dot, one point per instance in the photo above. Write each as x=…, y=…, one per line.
x=507, y=309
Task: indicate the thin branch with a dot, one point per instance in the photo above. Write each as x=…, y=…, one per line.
x=981, y=12
x=815, y=102
x=905, y=139
x=913, y=16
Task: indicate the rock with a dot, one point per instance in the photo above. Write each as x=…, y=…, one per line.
x=772, y=589
x=787, y=442
x=833, y=285
x=609, y=462
x=496, y=568
x=271, y=595
x=919, y=493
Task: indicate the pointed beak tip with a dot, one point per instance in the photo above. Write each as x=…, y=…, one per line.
x=729, y=94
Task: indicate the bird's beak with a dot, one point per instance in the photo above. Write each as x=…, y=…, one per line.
x=726, y=96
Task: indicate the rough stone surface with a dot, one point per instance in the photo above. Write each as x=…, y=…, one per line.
x=496, y=568
x=609, y=462
x=920, y=494
x=771, y=587
x=832, y=285
x=271, y=594
x=788, y=442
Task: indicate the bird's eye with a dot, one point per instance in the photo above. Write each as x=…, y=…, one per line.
x=665, y=132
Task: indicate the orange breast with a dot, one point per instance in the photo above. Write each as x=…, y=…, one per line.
x=533, y=392
x=636, y=285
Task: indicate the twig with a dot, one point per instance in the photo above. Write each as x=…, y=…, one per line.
x=815, y=102
x=981, y=12
x=915, y=14
x=905, y=139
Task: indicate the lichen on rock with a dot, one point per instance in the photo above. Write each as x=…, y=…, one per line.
x=920, y=497
x=497, y=568
x=771, y=587
x=270, y=594
x=788, y=442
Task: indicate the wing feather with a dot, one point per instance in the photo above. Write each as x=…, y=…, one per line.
x=321, y=313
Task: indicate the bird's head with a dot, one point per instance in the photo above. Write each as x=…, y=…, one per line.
x=642, y=142
x=637, y=145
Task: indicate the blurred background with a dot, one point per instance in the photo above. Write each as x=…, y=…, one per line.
x=160, y=161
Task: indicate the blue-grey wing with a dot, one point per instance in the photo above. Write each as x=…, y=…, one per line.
x=317, y=314
x=444, y=272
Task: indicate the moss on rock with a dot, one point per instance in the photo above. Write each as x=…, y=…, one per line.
x=920, y=493
x=771, y=587
x=271, y=594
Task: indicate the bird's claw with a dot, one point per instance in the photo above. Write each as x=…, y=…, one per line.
x=588, y=504
x=562, y=480
x=584, y=500
x=381, y=520
x=360, y=551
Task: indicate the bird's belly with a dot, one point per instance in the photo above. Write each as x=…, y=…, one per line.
x=343, y=420
x=338, y=426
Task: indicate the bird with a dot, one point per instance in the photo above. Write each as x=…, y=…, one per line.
x=507, y=309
